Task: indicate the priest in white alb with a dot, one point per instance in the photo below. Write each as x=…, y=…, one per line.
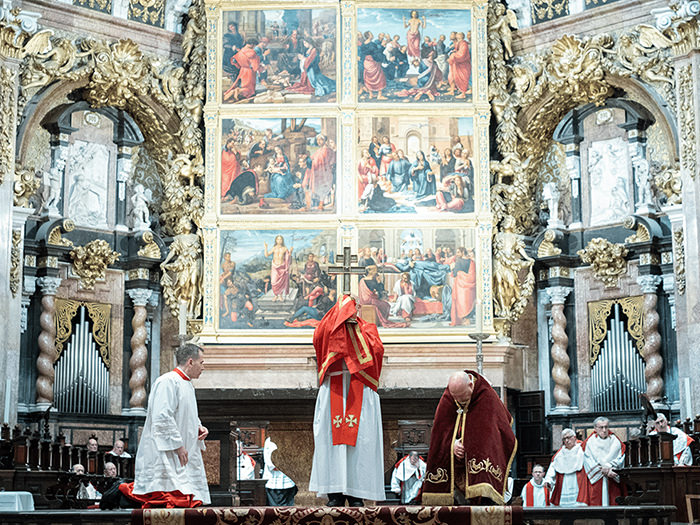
x=348, y=462
x=682, y=455
x=565, y=475
x=169, y=467
x=535, y=493
x=603, y=452
x=407, y=478
x=246, y=464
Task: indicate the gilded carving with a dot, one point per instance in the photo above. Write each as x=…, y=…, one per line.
x=543, y=10
x=547, y=247
x=56, y=235
x=150, y=248
x=25, y=186
x=668, y=180
x=15, y=262
x=90, y=261
x=598, y=313
x=607, y=260
x=510, y=261
x=642, y=233
x=182, y=271
x=7, y=125
x=98, y=5
x=150, y=12
x=99, y=313
x=686, y=117
x=679, y=260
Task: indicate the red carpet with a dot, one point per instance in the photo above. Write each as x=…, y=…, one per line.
x=330, y=516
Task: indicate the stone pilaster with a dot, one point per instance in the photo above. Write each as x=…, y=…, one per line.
x=139, y=352
x=652, y=338
x=47, y=342
x=559, y=352
x=573, y=166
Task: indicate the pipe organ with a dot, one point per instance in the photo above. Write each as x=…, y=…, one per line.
x=82, y=375
x=617, y=375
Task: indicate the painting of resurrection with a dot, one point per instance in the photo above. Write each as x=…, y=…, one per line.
x=419, y=278
x=411, y=55
x=278, y=165
x=279, y=56
x=275, y=279
x=415, y=164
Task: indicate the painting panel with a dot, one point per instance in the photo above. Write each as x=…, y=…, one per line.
x=279, y=56
x=418, y=278
x=415, y=164
x=278, y=165
x=411, y=55
x=275, y=279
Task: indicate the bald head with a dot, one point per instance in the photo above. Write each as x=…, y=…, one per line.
x=460, y=387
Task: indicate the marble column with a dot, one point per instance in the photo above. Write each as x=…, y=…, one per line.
x=139, y=352
x=652, y=338
x=560, y=343
x=573, y=166
x=47, y=342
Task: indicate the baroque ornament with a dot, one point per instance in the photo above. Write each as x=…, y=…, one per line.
x=686, y=117
x=669, y=181
x=26, y=185
x=166, y=101
x=90, y=261
x=679, y=259
x=15, y=260
x=607, y=260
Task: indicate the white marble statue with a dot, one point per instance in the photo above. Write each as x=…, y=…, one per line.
x=88, y=197
x=139, y=208
x=51, y=185
x=608, y=168
x=551, y=195
x=642, y=179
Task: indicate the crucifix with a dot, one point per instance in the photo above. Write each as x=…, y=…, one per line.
x=347, y=269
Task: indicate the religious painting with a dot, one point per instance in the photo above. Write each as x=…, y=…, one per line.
x=415, y=164
x=422, y=278
x=412, y=55
x=279, y=56
x=275, y=279
x=278, y=165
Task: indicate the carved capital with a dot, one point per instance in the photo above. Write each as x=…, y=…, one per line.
x=140, y=296
x=649, y=283
x=558, y=294
x=48, y=285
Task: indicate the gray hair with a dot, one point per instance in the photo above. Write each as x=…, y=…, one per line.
x=600, y=419
x=662, y=416
x=567, y=432
x=187, y=351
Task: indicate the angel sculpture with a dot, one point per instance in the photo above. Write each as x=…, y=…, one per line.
x=182, y=270
x=510, y=258
x=506, y=22
x=139, y=207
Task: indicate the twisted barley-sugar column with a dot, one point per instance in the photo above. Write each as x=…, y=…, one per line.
x=560, y=356
x=652, y=338
x=47, y=339
x=139, y=353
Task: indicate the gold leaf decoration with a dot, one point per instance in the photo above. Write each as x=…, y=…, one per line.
x=151, y=12
x=607, y=260
x=26, y=184
x=598, y=313
x=15, y=262
x=547, y=247
x=104, y=6
x=679, y=259
x=150, y=248
x=543, y=10
x=56, y=237
x=99, y=313
x=90, y=261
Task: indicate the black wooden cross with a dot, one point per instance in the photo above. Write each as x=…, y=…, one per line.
x=347, y=269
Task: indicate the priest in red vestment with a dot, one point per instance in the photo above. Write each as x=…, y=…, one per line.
x=472, y=445
x=603, y=452
x=348, y=462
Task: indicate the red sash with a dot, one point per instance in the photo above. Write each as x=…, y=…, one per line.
x=344, y=425
x=530, y=495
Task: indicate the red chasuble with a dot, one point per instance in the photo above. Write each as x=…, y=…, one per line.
x=484, y=426
x=358, y=346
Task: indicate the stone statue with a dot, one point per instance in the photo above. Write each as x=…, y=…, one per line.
x=139, y=208
x=182, y=270
x=510, y=258
x=551, y=194
x=51, y=185
x=642, y=180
